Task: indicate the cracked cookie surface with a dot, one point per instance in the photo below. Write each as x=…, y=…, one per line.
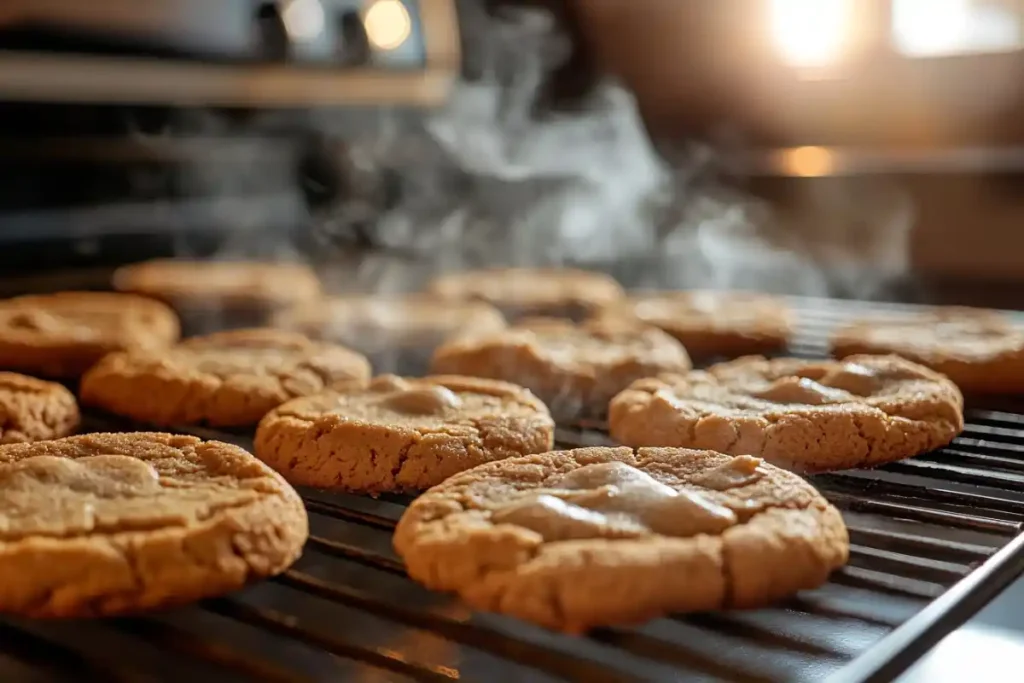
x=104, y=524
x=808, y=416
x=518, y=292
x=227, y=379
x=62, y=335
x=713, y=323
x=401, y=434
x=981, y=351
x=34, y=410
x=600, y=536
x=574, y=369
x=202, y=284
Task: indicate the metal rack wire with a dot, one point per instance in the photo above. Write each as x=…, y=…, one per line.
x=933, y=539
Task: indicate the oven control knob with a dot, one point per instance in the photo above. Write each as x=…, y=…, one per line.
x=272, y=37
x=285, y=23
x=354, y=48
x=303, y=19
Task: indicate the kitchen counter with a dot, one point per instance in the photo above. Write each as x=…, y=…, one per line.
x=988, y=648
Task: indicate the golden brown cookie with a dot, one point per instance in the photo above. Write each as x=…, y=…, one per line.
x=808, y=416
x=104, y=524
x=714, y=323
x=600, y=536
x=34, y=410
x=574, y=369
x=62, y=335
x=377, y=323
x=401, y=434
x=182, y=282
x=518, y=292
x=228, y=379
x=979, y=350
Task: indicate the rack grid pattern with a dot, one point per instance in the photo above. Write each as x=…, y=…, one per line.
x=932, y=539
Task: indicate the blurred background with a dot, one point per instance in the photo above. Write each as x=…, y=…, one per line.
x=864, y=149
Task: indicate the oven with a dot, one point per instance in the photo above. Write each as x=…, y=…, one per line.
x=387, y=140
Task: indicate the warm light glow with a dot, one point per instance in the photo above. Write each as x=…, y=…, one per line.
x=303, y=19
x=932, y=28
x=808, y=162
x=387, y=23
x=811, y=32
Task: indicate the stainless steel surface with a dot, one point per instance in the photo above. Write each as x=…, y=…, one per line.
x=310, y=67
x=272, y=211
x=224, y=27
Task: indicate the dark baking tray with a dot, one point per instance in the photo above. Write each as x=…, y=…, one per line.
x=933, y=540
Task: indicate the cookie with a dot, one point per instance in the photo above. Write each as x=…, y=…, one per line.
x=979, y=350
x=61, y=335
x=520, y=292
x=398, y=333
x=228, y=379
x=601, y=536
x=401, y=434
x=574, y=369
x=182, y=282
x=807, y=416
x=105, y=524
x=34, y=410
x=714, y=323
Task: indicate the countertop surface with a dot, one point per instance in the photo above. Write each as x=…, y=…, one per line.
x=989, y=648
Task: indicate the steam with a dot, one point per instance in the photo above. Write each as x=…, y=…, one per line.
x=489, y=181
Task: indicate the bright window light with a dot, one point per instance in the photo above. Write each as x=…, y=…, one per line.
x=930, y=27
x=934, y=28
x=811, y=33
